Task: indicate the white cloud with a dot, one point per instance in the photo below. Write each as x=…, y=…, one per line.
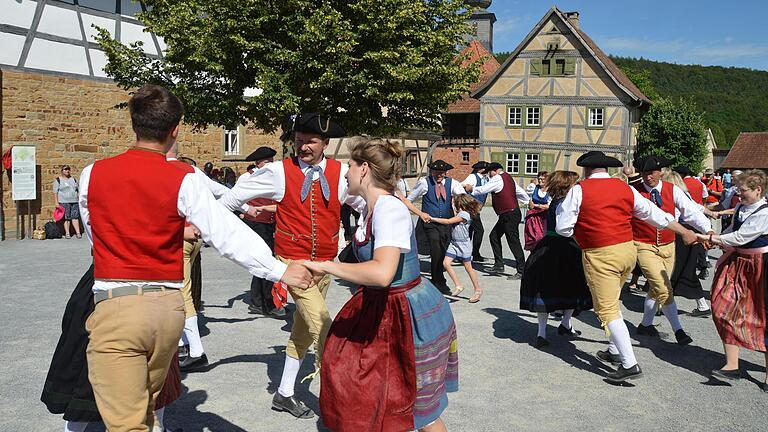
x=684, y=51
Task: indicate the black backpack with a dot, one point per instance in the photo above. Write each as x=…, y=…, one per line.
x=52, y=230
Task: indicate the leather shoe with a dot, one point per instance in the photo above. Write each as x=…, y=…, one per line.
x=607, y=357
x=192, y=363
x=479, y=259
x=562, y=331
x=621, y=374
x=698, y=313
x=727, y=375
x=183, y=352
x=277, y=313
x=292, y=406
x=541, y=342
x=682, y=337
x=255, y=310
x=647, y=330
x=497, y=268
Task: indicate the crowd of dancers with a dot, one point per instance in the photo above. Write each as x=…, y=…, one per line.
x=130, y=327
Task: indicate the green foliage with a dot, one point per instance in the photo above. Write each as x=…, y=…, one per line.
x=502, y=56
x=642, y=79
x=734, y=99
x=350, y=59
x=674, y=129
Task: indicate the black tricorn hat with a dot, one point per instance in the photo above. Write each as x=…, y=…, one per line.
x=440, y=165
x=480, y=165
x=651, y=163
x=317, y=124
x=597, y=159
x=260, y=154
x=683, y=170
x=493, y=166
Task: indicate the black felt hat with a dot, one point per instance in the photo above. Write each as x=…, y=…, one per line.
x=683, y=170
x=597, y=159
x=493, y=166
x=260, y=154
x=317, y=124
x=480, y=165
x=440, y=165
x=651, y=163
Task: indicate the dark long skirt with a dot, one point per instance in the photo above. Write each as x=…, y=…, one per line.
x=553, y=278
x=197, y=282
x=685, y=280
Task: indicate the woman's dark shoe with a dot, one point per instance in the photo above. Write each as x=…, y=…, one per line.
x=562, y=331
x=727, y=375
x=621, y=374
x=682, y=337
x=698, y=313
x=541, y=342
x=608, y=357
x=647, y=330
x=291, y=405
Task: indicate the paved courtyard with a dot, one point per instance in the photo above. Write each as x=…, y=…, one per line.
x=506, y=383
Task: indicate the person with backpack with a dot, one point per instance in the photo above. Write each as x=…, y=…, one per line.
x=65, y=195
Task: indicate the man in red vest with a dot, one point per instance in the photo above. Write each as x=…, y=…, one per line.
x=598, y=213
x=656, y=247
x=713, y=185
x=506, y=195
x=309, y=190
x=134, y=208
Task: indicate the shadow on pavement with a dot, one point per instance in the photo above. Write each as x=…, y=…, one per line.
x=511, y=325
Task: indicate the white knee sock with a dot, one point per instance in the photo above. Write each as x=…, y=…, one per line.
x=567, y=314
x=542, y=324
x=290, y=372
x=702, y=304
x=192, y=335
x=649, y=311
x=620, y=338
x=159, y=414
x=612, y=348
x=73, y=426
x=670, y=311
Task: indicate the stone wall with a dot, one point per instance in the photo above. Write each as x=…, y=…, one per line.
x=454, y=156
x=75, y=121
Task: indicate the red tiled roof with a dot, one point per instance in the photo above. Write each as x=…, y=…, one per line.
x=476, y=51
x=749, y=151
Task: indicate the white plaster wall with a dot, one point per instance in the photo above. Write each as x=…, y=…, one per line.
x=98, y=61
x=132, y=32
x=57, y=56
x=60, y=22
x=91, y=32
x=17, y=12
x=12, y=46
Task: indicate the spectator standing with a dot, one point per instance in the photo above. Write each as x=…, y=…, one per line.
x=65, y=195
x=727, y=179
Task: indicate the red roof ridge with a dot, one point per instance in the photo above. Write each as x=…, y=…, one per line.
x=475, y=51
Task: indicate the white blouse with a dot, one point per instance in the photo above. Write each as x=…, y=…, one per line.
x=391, y=226
x=753, y=228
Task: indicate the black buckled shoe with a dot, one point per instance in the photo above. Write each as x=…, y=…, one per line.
x=621, y=374
x=726, y=375
x=698, y=313
x=682, y=337
x=562, y=331
x=292, y=406
x=647, y=330
x=193, y=363
x=541, y=342
x=608, y=357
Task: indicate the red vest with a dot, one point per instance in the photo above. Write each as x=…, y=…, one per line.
x=505, y=200
x=137, y=231
x=264, y=217
x=309, y=229
x=695, y=189
x=647, y=233
x=605, y=214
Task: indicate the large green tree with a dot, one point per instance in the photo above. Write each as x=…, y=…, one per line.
x=379, y=66
x=673, y=129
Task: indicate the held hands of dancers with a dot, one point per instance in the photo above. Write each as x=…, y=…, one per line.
x=191, y=233
x=468, y=188
x=298, y=275
x=425, y=217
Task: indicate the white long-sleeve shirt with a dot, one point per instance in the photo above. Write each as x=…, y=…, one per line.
x=269, y=182
x=567, y=213
x=686, y=210
x=496, y=184
x=421, y=188
x=219, y=228
x=751, y=228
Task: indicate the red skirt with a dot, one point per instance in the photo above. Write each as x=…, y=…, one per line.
x=172, y=386
x=738, y=299
x=368, y=378
x=535, y=227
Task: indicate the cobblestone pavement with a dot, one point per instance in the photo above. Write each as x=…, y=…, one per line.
x=506, y=383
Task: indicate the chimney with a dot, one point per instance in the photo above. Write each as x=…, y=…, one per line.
x=573, y=18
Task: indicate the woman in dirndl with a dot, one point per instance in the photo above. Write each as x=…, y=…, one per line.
x=740, y=286
x=67, y=390
x=391, y=354
x=553, y=279
x=536, y=216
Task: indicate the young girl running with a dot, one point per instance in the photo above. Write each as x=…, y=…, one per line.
x=461, y=245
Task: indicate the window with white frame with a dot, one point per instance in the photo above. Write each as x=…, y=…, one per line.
x=531, y=164
x=533, y=116
x=465, y=157
x=232, y=141
x=515, y=116
x=596, y=117
x=513, y=163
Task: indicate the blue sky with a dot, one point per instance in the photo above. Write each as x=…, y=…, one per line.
x=706, y=32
